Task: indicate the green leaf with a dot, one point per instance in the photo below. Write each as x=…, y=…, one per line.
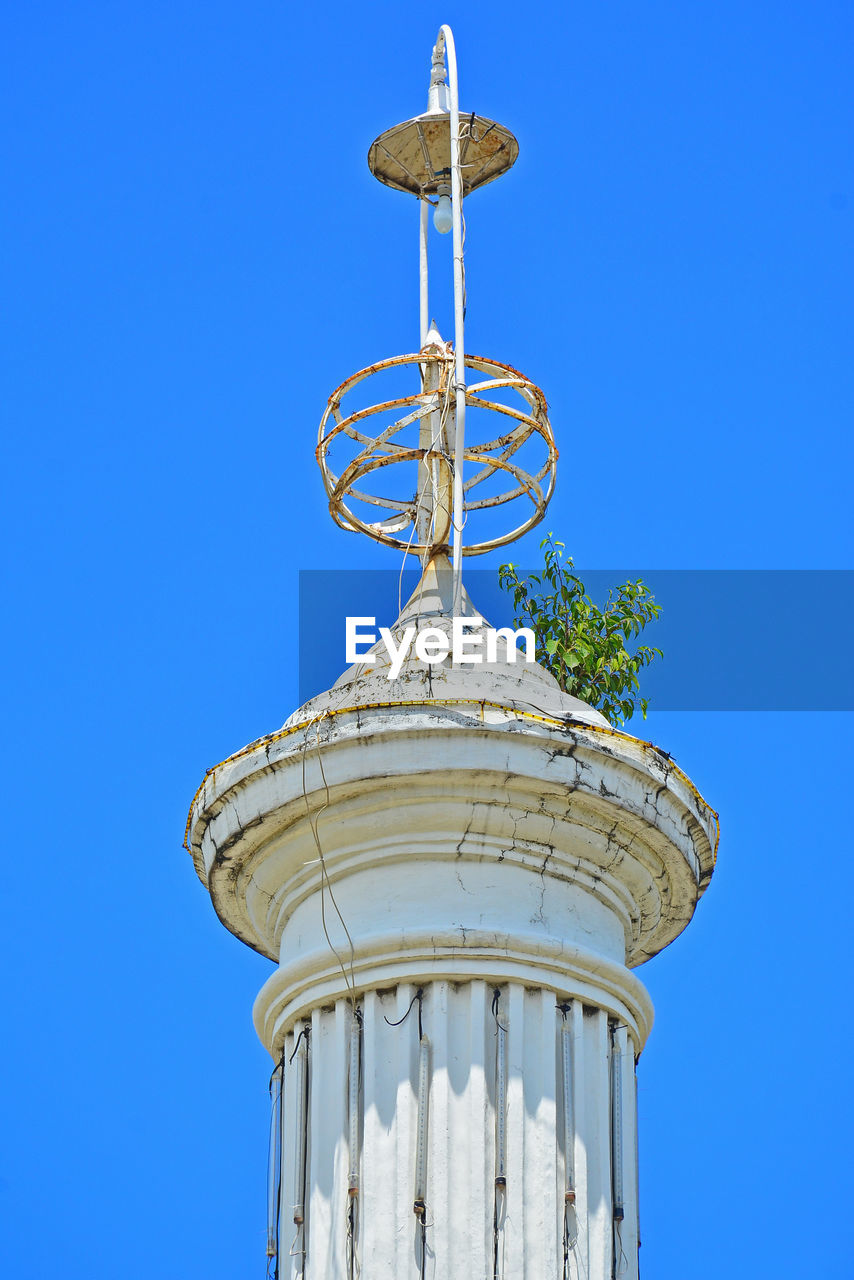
x=583, y=645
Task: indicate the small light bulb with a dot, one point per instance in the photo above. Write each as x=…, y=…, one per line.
x=443, y=218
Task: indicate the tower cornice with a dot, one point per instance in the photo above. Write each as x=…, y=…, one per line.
x=372, y=775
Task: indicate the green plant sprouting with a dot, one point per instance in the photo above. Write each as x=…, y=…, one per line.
x=584, y=647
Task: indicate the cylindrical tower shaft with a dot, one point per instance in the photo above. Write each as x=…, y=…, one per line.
x=521, y=1229
x=459, y=1084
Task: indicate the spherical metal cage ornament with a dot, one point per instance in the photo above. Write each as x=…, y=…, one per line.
x=424, y=507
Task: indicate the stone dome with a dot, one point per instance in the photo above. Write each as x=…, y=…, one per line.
x=526, y=686
x=597, y=838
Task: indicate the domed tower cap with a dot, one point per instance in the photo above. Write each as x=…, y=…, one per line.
x=416, y=156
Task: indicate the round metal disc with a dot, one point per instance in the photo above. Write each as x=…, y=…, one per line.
x=416, y=155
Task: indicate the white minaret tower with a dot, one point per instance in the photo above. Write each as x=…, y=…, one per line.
x=455, y=871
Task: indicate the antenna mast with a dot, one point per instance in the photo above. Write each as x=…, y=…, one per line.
x=440, y=159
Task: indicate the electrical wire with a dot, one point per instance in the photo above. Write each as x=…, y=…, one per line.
x=354, y=1081
x=422, y=1270
x=463, y=262
x=496, y=997
x=353, y=1268
x=281, y=1159
x=621, y=1262
x=302, y=1043
x=325, y=882
x=304, y=1034
x=569, y=1234
x=274, y=1167
x=419, y=996
x=402, y=567
x=419, y=1203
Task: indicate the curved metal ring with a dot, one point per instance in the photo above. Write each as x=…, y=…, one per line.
x=380, y=451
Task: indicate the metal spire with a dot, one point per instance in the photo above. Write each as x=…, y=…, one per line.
x=440, y=157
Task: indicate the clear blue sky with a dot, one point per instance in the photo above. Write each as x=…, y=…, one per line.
x=194, y=256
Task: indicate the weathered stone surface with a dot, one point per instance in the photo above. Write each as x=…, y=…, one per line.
x=476, y=831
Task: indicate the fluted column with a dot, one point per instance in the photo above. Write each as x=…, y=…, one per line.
x=523, y=1229
x=468, y=849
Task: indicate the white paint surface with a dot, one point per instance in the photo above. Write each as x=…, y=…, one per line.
x=481, y=832
x=461, y=1196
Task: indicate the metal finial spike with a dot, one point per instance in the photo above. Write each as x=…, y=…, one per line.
x=434, y=337
x=416, y=156
x=438, y=72
x=438, y=100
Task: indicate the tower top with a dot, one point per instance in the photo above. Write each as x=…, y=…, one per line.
x=416, y=156
x=405, y=451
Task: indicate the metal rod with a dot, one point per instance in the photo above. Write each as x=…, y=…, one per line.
x=636, y=1188
x=501, y=1107
x=568, y=1114
x=274, y=1162
x=353, y=1104
x=459, y=311
x=301, y=1128
x=424, y=303
x=420, y=1201
x=617, y=1126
